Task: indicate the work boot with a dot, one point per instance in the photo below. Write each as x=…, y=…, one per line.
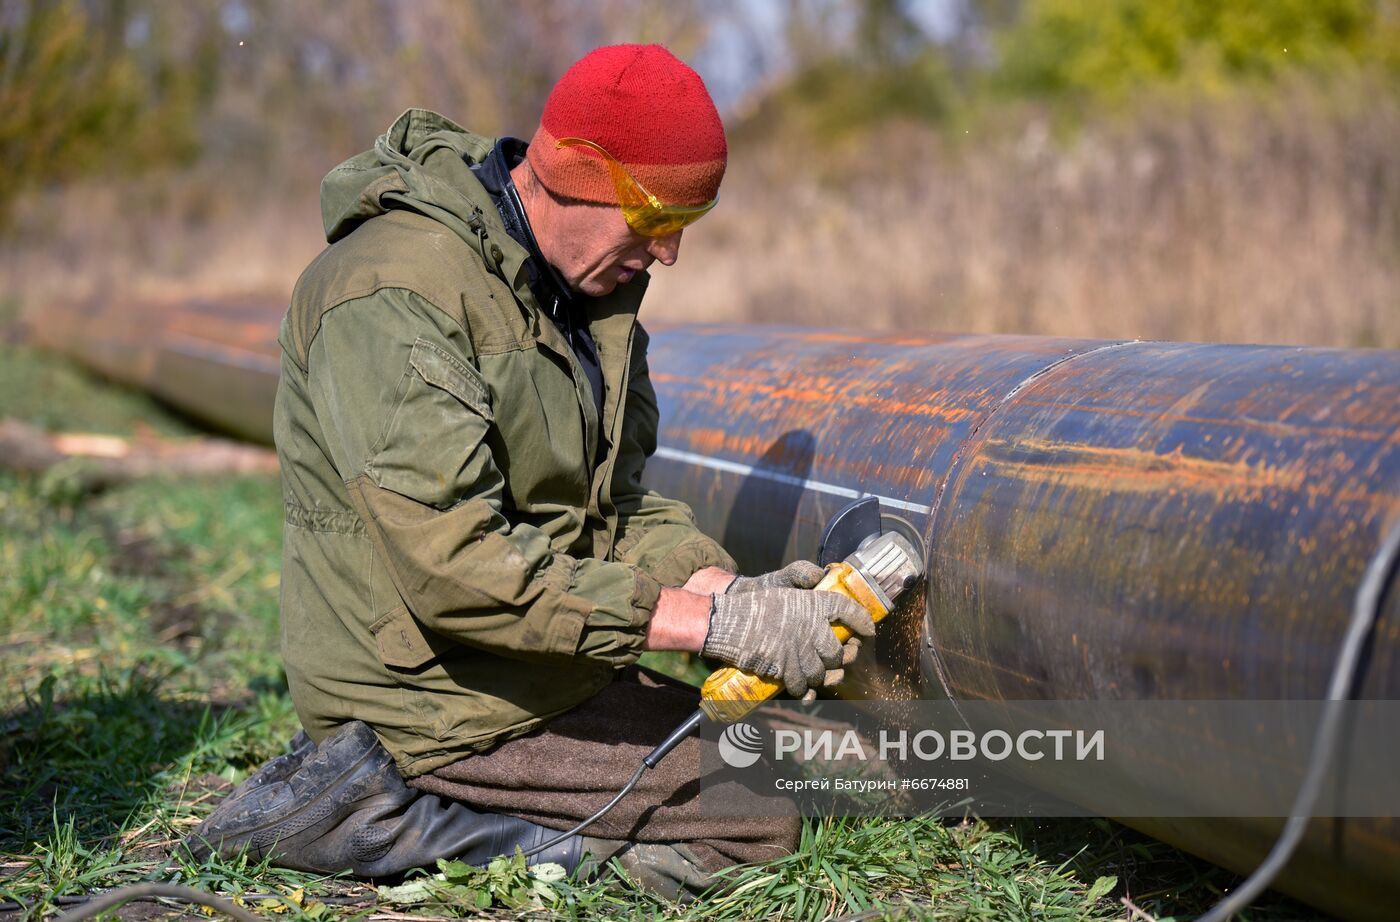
x=345, y=808
x=668, y=870
x=274, y=770
x=280, y=768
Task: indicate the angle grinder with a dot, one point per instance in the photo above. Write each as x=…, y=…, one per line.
x=870, y=556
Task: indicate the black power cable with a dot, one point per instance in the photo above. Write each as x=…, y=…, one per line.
x=626, y=789
x=115, y=898
x=686, y=727
x=1364, y=612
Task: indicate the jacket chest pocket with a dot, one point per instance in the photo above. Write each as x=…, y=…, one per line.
x=431, y=448
x=539, y=428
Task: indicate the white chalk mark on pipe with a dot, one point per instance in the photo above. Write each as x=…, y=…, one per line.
x=745, y=470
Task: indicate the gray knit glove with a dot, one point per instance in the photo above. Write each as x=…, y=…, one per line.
x=785, y=634
x=800, y=574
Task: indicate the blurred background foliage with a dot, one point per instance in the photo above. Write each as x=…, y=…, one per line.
x=1108, y=51
x=1193, y=169
x=83, y=92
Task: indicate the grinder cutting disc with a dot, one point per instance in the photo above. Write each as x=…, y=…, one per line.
x=858, y=522
x=848, y=528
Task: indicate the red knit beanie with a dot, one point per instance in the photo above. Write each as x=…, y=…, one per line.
x=644, y=106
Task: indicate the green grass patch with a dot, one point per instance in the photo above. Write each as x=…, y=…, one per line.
x=140, y=679
x=180, y=577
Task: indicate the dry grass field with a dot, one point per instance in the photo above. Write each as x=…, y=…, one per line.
x=1228, y=220
x=1233, y=219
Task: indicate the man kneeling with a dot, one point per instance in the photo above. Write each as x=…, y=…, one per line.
x=471, y=564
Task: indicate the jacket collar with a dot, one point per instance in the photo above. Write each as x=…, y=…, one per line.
x=548, y=286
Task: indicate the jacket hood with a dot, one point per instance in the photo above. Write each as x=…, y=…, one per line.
x=422, y=163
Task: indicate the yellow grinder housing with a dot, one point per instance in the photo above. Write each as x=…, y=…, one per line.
x=875, y=574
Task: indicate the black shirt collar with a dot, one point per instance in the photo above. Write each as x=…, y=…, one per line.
x=549, y=288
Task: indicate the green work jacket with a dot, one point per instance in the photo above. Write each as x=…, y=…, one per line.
x=464, y=556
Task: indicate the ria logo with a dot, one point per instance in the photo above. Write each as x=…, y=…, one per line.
x=740, y=745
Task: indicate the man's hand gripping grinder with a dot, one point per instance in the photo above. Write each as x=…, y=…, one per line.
x=872, y=557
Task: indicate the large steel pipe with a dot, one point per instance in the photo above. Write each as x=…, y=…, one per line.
x=1120, y=520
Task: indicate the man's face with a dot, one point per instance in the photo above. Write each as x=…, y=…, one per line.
x=595, y=251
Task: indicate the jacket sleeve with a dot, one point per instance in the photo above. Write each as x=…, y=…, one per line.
x=408, y=423
x=655, y=533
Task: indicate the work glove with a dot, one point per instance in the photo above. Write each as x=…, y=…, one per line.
x=785, y=634
x=800, y=574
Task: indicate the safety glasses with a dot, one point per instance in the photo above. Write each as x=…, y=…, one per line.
x=644, y=213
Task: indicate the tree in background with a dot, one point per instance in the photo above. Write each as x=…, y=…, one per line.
x=1260, y=213
x=96, y=88
x=1108, y=50
x=854, y=64
x=266, y=92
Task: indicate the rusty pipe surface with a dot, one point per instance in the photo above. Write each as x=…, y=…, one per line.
x=1131, y=520
x=1106, y=520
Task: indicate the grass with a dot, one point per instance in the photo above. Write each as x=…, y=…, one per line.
x=140, y=679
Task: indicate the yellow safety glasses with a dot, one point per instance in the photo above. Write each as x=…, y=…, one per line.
x=644, y=213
